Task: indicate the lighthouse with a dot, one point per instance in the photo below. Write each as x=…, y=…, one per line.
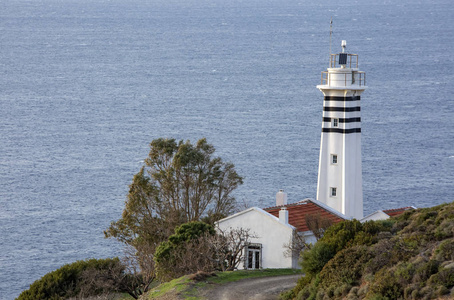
x=339, y=173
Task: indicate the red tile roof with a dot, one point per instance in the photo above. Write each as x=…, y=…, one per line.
x=297, y=213
x=397, y=211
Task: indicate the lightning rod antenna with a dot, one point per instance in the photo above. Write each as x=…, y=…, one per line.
x=330, y=37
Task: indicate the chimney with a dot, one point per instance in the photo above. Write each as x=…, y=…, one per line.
x=281, y=198
x=283, y=215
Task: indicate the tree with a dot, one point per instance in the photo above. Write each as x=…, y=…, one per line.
x=187, y=251
x=317, y=224
x=178, y=183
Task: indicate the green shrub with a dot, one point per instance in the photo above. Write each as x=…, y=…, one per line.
x=412, y=257
x=409, y=291
x=405, y=272
x=288, y=295
x=183, y=233
x=445, y=229
x=444, y=277
x=315, y=259
x=426, y=270
x=336, y=238
x=342, y=234
x=309, y=291
x=185, y=252
x=386, y=285
x=302, y=282
x=68, y=281
x=346, y=267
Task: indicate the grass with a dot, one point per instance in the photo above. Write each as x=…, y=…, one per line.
x=185, y=288
x=174, y=286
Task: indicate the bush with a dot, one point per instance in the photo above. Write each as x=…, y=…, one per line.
x=386, y=285
x=68, y=281
x=301, y=284
x=185, y=252
x=444, y=277
x=412, y=257
x=342, y=234
x=315, y=259
x=426, y=270
x=346, y=267
x=445, y=229
x=183, y=233
x=288, y=295
x=309, y=291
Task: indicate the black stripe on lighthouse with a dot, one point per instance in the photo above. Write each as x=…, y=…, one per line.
x=343, y=120
x=344, y=131
x=337, y=98
x=342, y=109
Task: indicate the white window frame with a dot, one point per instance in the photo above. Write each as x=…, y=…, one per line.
x=335, y=122
x=334, y=159
x=333, y=191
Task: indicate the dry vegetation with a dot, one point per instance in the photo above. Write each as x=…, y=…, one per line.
x=410, y=257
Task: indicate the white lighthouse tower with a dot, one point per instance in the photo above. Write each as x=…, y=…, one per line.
x=340, y=173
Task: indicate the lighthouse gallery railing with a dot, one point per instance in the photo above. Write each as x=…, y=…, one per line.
x=348, y=79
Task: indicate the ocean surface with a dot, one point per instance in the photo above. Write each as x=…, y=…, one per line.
x=86, y=85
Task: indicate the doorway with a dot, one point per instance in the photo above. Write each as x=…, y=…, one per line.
x=253, y=257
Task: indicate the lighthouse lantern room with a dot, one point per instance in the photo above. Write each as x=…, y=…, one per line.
x=340, y=173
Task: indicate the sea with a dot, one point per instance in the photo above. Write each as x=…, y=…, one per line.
x=86, y=85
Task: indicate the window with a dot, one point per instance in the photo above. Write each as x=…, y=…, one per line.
x=253, y=257
x=335, y=122
x=334, y=159
x=333, y=192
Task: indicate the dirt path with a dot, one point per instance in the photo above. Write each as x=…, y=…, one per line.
x=267, y=288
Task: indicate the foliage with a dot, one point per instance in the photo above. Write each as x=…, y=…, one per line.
x=81, y=279
x=298, y=243
x=187, y=251
x=346, y=267
x=337, y=237
x=408, y=257
x=179, y=183
x=314, y=259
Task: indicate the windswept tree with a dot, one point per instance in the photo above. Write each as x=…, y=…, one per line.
x=178, y=183
x=186, y=251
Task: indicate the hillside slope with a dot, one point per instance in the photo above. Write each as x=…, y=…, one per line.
x=409, y=257
x=213, y=285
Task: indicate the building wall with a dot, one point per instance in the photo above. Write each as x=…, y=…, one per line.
x=272, y=234
x=375, y=216
x=346, y=174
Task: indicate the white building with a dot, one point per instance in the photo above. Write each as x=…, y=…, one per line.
x=272, y=234
x=274, y=228
x=340, y=173
x=386, y=214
